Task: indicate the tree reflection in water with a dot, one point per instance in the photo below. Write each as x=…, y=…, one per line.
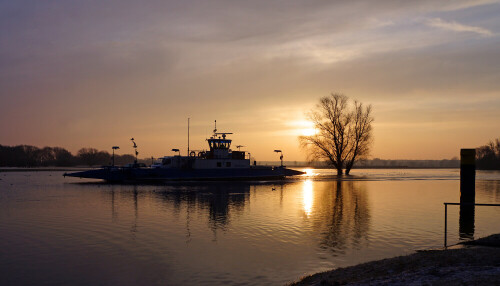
x=340, y=213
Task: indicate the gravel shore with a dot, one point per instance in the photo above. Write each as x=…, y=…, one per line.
x=472, y=263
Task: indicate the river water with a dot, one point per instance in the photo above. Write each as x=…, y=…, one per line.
x=70, y=231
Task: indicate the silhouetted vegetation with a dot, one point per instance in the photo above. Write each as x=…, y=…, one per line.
x=344, y=131
x=488, y=156
x=92, y=157
x=377, y=163
x=31, y=156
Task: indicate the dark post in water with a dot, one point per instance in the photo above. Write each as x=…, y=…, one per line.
x=467, y=192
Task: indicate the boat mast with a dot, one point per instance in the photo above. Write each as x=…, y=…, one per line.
x=135, y=148
x=188, y=136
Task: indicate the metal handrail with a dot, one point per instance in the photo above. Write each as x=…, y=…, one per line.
x=459, y=204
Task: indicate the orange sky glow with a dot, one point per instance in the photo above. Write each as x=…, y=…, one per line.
x=96, y=74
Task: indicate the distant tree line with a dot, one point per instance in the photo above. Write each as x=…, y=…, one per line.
x=488, y=156
x=31, y=156
x=376, y=163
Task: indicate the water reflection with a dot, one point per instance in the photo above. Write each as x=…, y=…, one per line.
x=488, y=190
x=57, y=232
x=220, y=199
x=114, y=213
x=273, y=225
x=309, y=172
x=341, y=214
x=466, y=222
x=338, y=211
x=134, y=194
x=133, y=230
x=308, y=197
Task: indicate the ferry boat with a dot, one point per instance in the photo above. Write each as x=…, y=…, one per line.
x=219, y=162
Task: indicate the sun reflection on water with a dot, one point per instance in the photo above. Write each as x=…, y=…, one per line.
x=308, y=196
x=308, y=172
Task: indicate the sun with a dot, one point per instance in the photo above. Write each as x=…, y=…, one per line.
x=307, y=128
x=302, y=127
x=308, y=131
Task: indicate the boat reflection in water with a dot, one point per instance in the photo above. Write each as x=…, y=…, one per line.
x=213, y=202
x=219, y=199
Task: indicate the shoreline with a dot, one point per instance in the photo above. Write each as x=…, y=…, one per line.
x=44, y=169
x=474, y=262
x=78, y=168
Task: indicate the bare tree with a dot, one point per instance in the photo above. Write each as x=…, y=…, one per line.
x=488, y=156
x=344, y=132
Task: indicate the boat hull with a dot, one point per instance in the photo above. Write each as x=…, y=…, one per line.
x=113, y=174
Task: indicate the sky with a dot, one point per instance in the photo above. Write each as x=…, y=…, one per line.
x=96, y=73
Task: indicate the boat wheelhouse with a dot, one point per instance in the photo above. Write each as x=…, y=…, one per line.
x=219, y=155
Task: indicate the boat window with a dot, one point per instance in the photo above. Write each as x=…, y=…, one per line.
x=219, y=144
x=228, y=164
x=219, y=164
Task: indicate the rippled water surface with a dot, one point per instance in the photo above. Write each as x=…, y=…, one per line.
x=56, y=230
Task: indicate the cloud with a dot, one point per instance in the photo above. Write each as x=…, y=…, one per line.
x=457, y=27
x=141, y=69
x=459, y=5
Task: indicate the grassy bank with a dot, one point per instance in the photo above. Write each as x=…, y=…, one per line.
x=473, y=263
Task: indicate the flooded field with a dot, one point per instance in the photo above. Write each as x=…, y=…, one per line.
x=56, y=230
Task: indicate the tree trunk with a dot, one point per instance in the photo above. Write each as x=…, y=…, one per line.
x=348, y=168
x=339, y=171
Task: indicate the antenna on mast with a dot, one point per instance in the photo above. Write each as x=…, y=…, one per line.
x=215, y=130
x=135, y=147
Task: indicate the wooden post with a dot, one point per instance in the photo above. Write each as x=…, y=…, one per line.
x=467, y=193
x=467, y=175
